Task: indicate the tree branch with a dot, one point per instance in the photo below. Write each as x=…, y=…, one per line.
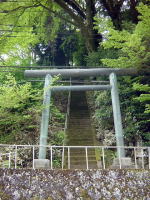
x=58, y=15
x=79, y=20
x=113, y=9
x=20, y=8
x=76, y=7
x=43, y=6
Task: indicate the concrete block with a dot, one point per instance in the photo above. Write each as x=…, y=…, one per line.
x=41, y=164
x=125, y=162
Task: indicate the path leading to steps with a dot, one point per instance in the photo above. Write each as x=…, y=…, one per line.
x=80, y=132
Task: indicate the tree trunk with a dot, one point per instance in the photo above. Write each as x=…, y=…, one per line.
x=92, y=36
x=133, y=11
x=84, y=20
x=113, y=9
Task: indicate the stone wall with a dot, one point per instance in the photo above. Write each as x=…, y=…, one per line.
x=74, y=184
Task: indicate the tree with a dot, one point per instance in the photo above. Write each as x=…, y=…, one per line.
x=131, y=49
x=19, y=111
x=60, y=51
x=143, y=97
x=81, y=14
x=132, y=45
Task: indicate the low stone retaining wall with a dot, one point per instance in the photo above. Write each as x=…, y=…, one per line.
x=17, y=184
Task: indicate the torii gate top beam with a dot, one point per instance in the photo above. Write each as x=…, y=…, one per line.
x=87, y=72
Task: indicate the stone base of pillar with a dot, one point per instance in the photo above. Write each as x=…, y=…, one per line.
x=41, y=164
x=125, y=162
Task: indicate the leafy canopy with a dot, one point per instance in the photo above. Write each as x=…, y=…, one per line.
x=132, y=45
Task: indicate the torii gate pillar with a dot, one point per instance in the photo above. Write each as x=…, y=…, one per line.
x=45, y=117
x=117, y=115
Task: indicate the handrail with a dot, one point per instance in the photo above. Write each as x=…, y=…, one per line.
x=60, y=146
x=58, y=151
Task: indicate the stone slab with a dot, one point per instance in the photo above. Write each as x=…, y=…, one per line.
x=126, y=162
x=41, y=164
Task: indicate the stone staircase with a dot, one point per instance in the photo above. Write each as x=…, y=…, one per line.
x=80, y=133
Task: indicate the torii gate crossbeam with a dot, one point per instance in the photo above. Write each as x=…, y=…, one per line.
x=87, y=72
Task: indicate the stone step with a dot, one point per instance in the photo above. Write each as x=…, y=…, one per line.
x=82, y=158
x=78, y=139
x=79, y=118
x=79, y=126
x=81, y=144
x=75, y=106
x=72, y=155
x=78, y=162
x=83, y=167
x=80, y=152
x=80, y=133
x=90, y=155
x=79, y=123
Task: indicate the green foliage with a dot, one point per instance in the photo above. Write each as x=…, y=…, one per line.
x=102, y=116
x=103, y=112
x=143, y=97
x=16, y=42
x=23, y=27
x=79, y=54
x=94, y=58
x=69, y=45
x=133, y=46
x=109, y=156
x=19, y=110
x=135, y=120
x=13, y=96
x=57, y=138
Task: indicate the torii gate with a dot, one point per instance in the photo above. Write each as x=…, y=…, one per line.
x=111, y=72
